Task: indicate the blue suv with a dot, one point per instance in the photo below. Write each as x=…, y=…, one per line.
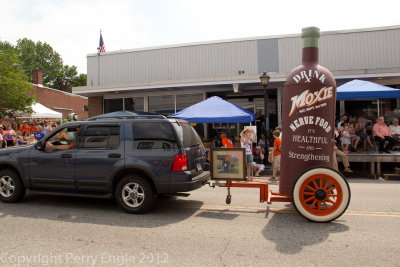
x=133, y=159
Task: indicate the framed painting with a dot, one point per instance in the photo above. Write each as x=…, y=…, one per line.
x=228, y=164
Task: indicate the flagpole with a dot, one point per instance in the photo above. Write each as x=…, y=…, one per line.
x=98, y=63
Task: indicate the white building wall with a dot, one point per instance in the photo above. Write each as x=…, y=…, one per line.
x=198, y=62
x=343, y=52
x=365, y=50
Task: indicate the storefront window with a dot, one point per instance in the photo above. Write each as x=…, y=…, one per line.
x=246, y=103
x=131, y=103
x=164, y=105
x=111, y=105
x=134, y=103
x=369, y=109
x=271, y=105
x=184, y=101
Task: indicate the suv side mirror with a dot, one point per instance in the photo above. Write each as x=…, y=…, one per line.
x=40, y=146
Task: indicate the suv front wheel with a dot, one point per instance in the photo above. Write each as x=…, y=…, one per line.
x=134, y=194
x=11, y=187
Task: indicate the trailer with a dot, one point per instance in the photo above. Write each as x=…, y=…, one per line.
x=319, y=194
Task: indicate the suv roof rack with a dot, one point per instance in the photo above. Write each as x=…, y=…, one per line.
x=128, y=117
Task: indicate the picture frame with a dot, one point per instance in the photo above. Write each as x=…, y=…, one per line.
x=228, y=164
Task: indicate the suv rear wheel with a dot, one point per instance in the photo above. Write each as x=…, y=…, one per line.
x=11, y=187
x=134, y=194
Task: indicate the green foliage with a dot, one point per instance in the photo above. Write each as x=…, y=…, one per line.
x=79, y=80
x=66, y=77
x=14, y=85
x=42, y=56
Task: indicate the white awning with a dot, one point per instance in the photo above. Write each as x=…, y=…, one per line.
x=41, y=112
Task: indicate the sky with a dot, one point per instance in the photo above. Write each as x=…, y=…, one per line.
x=72, y=27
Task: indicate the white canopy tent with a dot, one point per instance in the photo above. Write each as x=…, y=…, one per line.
x=41, y=112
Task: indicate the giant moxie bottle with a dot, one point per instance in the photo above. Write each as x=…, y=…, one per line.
x=309, y=102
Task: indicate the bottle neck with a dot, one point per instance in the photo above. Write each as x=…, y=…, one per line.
x=310, y=55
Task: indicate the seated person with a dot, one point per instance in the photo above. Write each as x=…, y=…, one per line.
x=216, y=142
x=355, y=139
x=362, y=133
x=382, y=134
x=342, y=155
x=258, y=158
x=345, y=118
x=395, y=129
x=23, y=138
x=64, y=139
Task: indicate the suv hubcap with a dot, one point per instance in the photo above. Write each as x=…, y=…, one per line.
x=7, y=186
x=133, y=195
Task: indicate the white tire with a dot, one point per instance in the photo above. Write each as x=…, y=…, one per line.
x=321, y=194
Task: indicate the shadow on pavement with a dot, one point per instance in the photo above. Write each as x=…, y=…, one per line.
x=219, y=215
x=99, y=211
x=292, y=233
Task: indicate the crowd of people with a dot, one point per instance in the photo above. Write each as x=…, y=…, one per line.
x=27, y=132
x=352, y=134
x=356, y=134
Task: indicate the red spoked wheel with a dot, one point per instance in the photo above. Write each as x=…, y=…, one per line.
x=321, y=194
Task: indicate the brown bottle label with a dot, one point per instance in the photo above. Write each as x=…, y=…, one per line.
x=308, y=123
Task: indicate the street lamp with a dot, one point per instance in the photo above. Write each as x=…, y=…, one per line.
x=264, y=78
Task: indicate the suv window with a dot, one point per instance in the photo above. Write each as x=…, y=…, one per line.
x=148, y=135
x=101, y=137
x=187, y=134
x=65, y=136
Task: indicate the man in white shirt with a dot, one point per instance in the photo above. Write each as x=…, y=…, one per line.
x=345, y=118
x=395, y=129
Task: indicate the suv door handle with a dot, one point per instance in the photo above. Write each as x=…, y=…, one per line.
x=114, y=155
x=66, y=156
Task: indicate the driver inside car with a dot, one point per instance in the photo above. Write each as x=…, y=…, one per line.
x=65, y=139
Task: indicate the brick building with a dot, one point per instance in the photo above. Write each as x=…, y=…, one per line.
x=60, y=101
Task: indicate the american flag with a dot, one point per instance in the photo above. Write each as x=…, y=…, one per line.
x=102, y=47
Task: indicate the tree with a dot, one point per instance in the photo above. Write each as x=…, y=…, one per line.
x=65, y=78
x=80, y=80
x=40, y=56
x=69, y=77
x=14, y=85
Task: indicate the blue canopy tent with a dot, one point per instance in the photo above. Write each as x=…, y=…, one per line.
x=215, y=110
x=358, y=89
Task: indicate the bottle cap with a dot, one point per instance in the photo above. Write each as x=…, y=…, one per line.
x=310, y=36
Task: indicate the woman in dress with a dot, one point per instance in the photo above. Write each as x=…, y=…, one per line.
x=9, y=136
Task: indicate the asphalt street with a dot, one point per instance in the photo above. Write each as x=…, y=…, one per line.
x=201, y=230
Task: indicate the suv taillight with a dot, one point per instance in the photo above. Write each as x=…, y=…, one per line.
x=180, y=163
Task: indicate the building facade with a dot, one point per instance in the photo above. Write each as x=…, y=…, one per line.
x=167, y=79
x=60, y=101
